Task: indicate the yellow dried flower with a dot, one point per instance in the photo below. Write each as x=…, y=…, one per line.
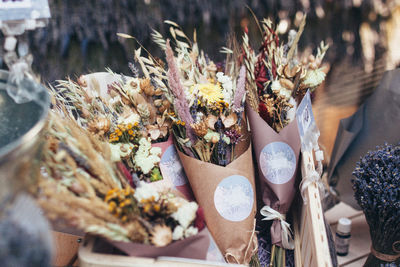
x=210, y=92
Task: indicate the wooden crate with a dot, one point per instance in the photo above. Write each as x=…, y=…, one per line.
x=311, y=242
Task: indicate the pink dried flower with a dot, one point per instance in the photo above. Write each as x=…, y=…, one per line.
x=180, y=103
x=240, y=90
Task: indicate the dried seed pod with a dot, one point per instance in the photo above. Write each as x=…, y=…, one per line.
x=313, y=66
x=229, y=120
x=161, y=109
x=85, y=113
x=165, y=106
x=82, y=81
x=290, y=72
x=303, y=72
x=112, y=92
x=77, y=188
x=214, y=139
x=147, y=87
x=154, y=134
x=133, y=83
x=286, y=83
x=153, y=113
x=160, y=120
x=279, y=70
x=164, y=131
x=200, y=128
x=161, y=235
x=137, y=99
x=318, y=62
x=210, y=121
x=158, y=102
x=158, y=92
x=99, y=125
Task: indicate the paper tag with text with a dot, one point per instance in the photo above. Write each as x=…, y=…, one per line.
x=305, y=119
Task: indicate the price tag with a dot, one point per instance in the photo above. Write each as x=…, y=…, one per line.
x=24, y=9
x=305, y=116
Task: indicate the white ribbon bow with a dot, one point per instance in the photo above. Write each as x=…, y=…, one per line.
x=310, y=177
x=271, y=214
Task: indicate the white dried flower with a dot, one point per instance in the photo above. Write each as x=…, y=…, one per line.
x=115, y=100
x=314, y=78
x=278, y=89
x=291, y=114
x=227, y=86
x=145, y=191
x=276, y=86
x=178, y=233
x=191, y=231
x=147, y=157
x=132, y=86
x=132, y=118
x=120, y=150
x=155, y=151
x=185, y=214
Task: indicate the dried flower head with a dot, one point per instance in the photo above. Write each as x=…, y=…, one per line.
x=161, y=235
x=200, y=128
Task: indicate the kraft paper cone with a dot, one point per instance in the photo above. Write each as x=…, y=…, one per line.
x=227, y=195
x=277, y=156
x=172, y=170
x=194, y=247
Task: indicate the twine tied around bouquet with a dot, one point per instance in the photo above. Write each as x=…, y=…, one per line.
x=252, y=240
x=387, y=257
x=271, y=214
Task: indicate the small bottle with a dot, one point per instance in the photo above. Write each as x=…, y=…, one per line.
x=343, y=235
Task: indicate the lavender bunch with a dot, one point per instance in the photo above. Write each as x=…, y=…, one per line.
x=377, y=191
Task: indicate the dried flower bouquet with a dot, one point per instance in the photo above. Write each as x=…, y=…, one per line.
x=211, y=135
x=80, y=185
x=131, y=113
x=276, y=81
x=278, y=77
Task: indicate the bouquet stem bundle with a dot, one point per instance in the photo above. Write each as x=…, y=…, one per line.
x=377, y=190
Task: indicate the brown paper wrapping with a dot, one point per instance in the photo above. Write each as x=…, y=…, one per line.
x=194, y=247
x=235, y=239
x=277, y=196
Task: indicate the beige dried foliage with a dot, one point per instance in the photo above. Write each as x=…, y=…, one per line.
x=161, y=235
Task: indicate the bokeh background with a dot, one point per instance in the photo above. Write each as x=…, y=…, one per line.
x=364, y=37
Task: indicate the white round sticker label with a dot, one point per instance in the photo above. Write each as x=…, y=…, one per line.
x=277, y=162
x=233, y=198
x=171, y=167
